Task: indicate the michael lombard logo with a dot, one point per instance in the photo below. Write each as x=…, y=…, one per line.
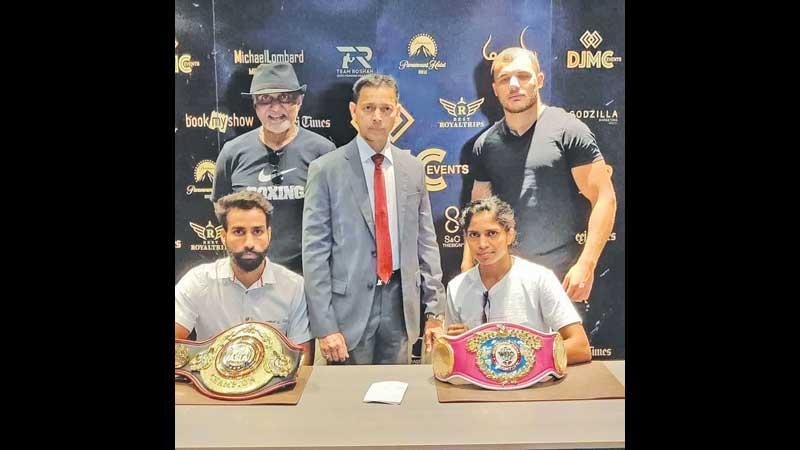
x=432, y=158
x=203, y=173
x=422, y=52
x=241, y=56
x=461, y=112
x=210, y=236
x=184, y=63
x=351, y=55
x=218, y=121
x=453, y=238
x=587, y=59
x=580, y=238
x=401, y=124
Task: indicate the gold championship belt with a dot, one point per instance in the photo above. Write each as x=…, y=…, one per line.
x=243, y=362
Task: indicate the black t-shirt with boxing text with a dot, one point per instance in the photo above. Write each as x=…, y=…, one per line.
x=243, y=164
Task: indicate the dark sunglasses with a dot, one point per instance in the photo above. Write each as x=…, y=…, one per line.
x=285, y=98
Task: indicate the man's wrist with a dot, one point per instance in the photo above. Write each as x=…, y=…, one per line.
x=588, y=263
x=432, y=316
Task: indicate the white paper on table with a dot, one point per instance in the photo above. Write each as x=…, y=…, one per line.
x=390, y=392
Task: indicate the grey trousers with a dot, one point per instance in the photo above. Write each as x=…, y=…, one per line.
x=384, y=340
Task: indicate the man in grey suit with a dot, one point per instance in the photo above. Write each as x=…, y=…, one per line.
x=370, y=254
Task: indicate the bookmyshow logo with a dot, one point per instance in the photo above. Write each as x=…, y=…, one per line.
x=218, y=121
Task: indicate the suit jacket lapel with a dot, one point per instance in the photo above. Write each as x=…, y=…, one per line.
x=358, y=184
x=401, y=184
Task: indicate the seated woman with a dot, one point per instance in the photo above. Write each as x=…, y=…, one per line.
x=506, y=288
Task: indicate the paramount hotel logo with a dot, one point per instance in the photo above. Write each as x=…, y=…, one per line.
x=422, y=52
x=203, y=173
x=461, y=112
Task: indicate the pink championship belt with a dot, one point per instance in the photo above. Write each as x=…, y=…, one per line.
x=499, y=356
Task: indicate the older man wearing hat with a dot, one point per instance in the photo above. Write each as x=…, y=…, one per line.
x=273, y=159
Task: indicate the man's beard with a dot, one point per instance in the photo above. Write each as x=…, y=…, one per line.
x=278, y=128
x=522, y=108
x=248, y=264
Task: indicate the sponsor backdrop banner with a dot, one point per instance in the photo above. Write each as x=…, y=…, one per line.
x=440, y=53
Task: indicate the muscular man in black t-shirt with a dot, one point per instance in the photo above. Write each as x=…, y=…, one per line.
x=546, y=164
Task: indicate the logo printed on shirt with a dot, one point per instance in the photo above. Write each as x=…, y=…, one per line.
x=273, y=192
x=267, y=178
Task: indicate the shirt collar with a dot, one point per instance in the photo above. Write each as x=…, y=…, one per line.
x=474, y=274
x=365, y=152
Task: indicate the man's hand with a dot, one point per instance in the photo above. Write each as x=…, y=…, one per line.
x=456, y=329
x=433, y=329
x=578, y=282
x=333, y=347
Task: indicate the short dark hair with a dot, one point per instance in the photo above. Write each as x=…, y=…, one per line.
x=241, y=200
x=375, y=80
x=502, y=211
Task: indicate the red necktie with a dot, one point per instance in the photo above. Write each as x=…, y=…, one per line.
x=383, y=241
